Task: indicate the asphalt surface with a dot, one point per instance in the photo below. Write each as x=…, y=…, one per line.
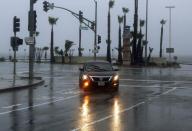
x=149, y=99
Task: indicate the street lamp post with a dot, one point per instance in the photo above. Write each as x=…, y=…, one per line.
x=146, y=32
x=95, y=40
x=170, y=7
x=31, y=49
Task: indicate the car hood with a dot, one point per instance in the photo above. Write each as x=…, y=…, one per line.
x=107, y=73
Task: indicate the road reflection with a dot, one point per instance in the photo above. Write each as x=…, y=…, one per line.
x=85, y=117
x=90, y=114
x=116, y=119
x=14, y=114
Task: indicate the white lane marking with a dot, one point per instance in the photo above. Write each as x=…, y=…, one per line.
x=124, y=110
x=65, y=90
x=11, y=106
x=171, y=90
x=70, y=92
x=41, y=104
x=110, y=116
x=149, y=86
x=47, y=98
x=148, y=80
x=152, y=86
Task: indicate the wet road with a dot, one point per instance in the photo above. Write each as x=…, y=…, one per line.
x=150, y=99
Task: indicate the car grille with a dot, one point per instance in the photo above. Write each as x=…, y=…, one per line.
x=101, y=78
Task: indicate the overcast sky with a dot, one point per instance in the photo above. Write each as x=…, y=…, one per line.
x=67, y=26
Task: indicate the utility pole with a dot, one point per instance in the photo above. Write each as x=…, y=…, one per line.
x=31, y=46
x=79, y=49
x=146, y=32
x=80, y=24
x=161, y=37
x=170, y=7
x=95, y=40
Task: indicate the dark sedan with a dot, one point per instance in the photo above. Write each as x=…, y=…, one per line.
x=98, y=75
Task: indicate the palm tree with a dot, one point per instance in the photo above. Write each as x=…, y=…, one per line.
x=120, y=20
x=161, y=38
x=52, y=22
x=142, y=23
x=68, y=45
x=139, y=45
x=56, y=50
x=111, y=3
x=125, y=11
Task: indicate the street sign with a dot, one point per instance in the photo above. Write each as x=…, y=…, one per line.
x=95, y=51
x=169, y=50
x=84, y=28
x=29, y=40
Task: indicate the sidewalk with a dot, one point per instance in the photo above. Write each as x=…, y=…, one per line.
x=10, y=83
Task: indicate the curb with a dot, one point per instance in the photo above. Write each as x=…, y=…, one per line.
x=15, y=88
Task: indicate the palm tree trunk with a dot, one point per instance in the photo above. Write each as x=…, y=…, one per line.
x=139, y=49
x=124, y=23
x=119, y=48
x=161, y=41
x=51, y=49
x=134, y=57
x=109, y=39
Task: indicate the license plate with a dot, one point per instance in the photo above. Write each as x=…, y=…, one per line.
x=101, y=83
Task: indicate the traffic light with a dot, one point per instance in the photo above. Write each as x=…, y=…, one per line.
x=45, y=6
x=16, y=24
x=98, y=47
x=99, y=39
x=15, y=42
x=92, y=25
x=32, y=26
x=34, y=20
x=19, y=41
x=80, y=16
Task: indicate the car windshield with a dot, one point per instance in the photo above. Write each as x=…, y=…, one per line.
x=98, y=67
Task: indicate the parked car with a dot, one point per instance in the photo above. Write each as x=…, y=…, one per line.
x=98, y=75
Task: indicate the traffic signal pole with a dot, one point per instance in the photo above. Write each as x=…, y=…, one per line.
x=95, y=41
x=16, y=28
x=88, y=23
x=31, y=47
x=14, y=57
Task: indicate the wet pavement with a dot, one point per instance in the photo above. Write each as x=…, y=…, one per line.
x=149, y=99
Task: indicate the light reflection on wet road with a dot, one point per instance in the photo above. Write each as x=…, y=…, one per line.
x=148, y=99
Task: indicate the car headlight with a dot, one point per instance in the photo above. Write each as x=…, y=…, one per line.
x=116, y=78
x=85, y=77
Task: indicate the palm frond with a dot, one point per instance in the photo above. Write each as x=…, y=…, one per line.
x=163, y=21
x=125, y=10
x=111, y=3
x=52, y=20
x=142, y=23
x=120, y=19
